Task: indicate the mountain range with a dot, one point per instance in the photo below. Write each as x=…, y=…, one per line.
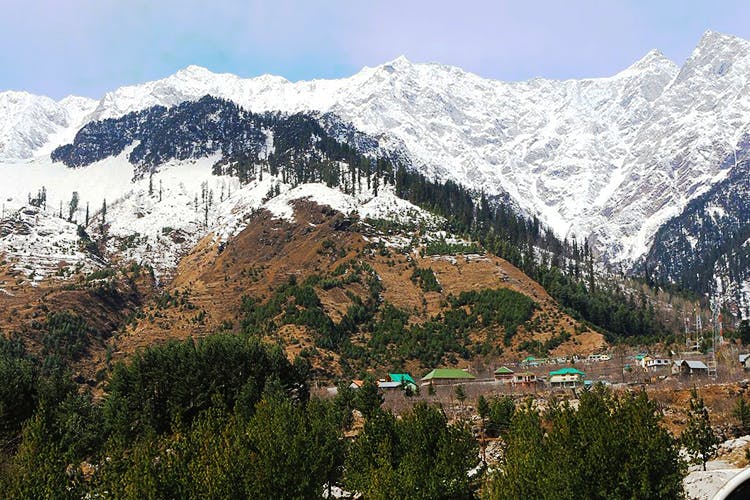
x=617, y=161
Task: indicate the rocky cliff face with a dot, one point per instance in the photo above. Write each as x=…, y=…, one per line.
x=707, y=247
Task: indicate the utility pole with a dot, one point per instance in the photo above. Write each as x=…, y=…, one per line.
x=716, y=339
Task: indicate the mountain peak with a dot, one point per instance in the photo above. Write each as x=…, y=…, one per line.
x=398, y=64
x=18, y=95
x=653, y=61
x=194, y=71
x=713, y=44
x=400, y=61
x=717, y=55
x=715, y=38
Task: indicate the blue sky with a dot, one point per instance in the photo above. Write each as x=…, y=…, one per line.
x=86, y=47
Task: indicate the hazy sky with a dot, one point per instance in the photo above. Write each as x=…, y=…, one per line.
x=86, y=47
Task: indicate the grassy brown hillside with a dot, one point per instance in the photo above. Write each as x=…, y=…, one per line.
x=73, y=317
x=341, y=260
x=349, y=295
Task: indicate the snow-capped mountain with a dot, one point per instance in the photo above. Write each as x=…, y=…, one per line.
x=150, y=185
x=611, y=159
x=31, y=125
x=553, y=146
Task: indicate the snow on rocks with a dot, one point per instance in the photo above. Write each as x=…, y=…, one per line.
x=611, y=158
x=40, y=245
x=384, y=205
x=606, y=158
x=703, y=485
x=29, y=122
x=732, y=445
x=700, y=484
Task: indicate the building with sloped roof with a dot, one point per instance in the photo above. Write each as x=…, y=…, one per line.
x=446, y=376
x=387, y=384
x=504, y=374
x=566, y=377
x=403, y=380
x=693, y=367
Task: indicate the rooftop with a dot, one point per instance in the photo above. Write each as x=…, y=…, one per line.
x=448, y=373
x=695, y=365
x=566, y=371
x=389, y=385
x=401, y=378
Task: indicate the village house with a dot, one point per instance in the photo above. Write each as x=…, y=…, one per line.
x=566, y=377
x=388, y=385
x=656, y=364
x=445, y=376
x=744, y=361
x=644, y=360
x=524, y=380
x=676, y=366
x=532, y=361
x=402, y=380
x=598, y=357
x=691, y=367
x=504, y=374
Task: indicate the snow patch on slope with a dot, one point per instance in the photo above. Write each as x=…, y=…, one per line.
x=386, y=205
x=41, y=246
x=155, y=220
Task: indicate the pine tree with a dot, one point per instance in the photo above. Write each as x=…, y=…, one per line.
x=460, y=393
x=610, y=447
x=742, y=413
x=418, y=455
x=369, y=399
x=743, y=332
x=73, y=205
x=483, y=407
x=104, y=216
x=698, y=437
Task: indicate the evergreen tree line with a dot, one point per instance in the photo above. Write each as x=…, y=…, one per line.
x=610, y=447
x=224, y=417
x=231, y=417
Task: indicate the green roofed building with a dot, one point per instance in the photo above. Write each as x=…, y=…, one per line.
x=566, y=377
x=532, y=361
x=446, y=376
x=529, y=361
x=404, y=379
x=504, y=374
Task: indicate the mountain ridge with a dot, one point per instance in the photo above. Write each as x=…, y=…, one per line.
x=605, y=159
